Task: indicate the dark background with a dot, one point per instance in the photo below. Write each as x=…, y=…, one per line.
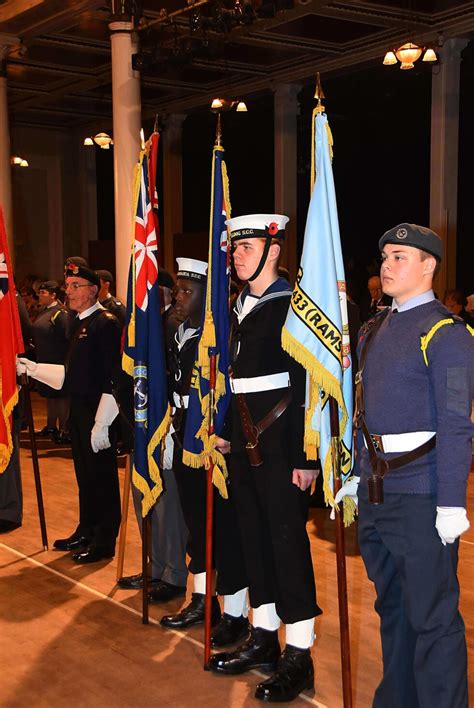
x=380, y=120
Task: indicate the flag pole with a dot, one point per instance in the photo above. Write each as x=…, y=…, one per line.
x=146, y=529
x=124, y=521
x=209, y=520
x=34, y=458
x=341, y=560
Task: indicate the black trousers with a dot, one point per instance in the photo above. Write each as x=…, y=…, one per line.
x=227, y=546
x=423, y=637
x=97, y=477
x=272, y=515
x=11, y=491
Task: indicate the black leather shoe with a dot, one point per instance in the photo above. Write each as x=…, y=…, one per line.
x=46, y=432
x=6, y=525
x=192, y=613
x=166, y=591
x=61, y=438
x=135, y=582
x=230, y=630
x=295, y=673
x=94, y=554
x=74, y=543
x=260, y=651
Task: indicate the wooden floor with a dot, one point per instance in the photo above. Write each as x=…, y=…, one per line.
x=70, y=637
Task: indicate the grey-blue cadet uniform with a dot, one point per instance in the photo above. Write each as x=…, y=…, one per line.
x=423, y=635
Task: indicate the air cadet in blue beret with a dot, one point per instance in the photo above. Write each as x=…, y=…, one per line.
x=413, y=406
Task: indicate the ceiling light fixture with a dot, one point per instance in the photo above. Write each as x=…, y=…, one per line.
x=408, y=54
x=220, y=105
x=103, y=140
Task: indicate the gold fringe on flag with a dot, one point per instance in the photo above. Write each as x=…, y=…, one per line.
x=6, y=450
x=151, y=495
x=331, y=387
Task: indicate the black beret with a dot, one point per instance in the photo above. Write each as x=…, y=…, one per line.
x=50, y=285
x=72, y=270
x=165, y=279
x=105, y=275
x=416, y=236
x=77, y=260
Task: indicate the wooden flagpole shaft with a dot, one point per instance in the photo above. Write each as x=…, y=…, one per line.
x=124, y=521
x=146, y=527
x=209, y=522
x=341, y=563
x=34, y=458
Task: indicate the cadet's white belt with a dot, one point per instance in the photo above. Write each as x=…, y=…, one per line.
x=404, y=442
x=180, y=401
x=260, y=383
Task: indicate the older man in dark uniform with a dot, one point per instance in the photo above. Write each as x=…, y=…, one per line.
x=416, y=383
x=269, y=473
x=92, y=364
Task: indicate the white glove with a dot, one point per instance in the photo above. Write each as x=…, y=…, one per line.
x=348, y=489
x=107, y=411
x=451, y=522
x=100, y=437
x=169, y=449
x=50, y=374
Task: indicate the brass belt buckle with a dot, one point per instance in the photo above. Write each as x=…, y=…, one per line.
x=377, y=442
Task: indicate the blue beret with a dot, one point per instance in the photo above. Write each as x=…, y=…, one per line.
x=416, y=236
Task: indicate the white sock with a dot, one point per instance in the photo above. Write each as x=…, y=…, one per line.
x=266, y=617
x=300, y=634
x=200, y=583
x=236, y=604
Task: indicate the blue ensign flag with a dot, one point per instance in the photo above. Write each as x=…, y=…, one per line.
x=144, y=349
x=198, y=444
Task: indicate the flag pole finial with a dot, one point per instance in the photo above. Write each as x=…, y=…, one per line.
x=218, y=142
x=319, y=94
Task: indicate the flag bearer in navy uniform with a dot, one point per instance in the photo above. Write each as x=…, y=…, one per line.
x=231, y=583
x=92, y=364
x=271, y=489
x=414, y=407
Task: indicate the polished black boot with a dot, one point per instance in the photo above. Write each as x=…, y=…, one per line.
x=295, y=673
x=192, y=613
x=261, y=650
x=76, y=542
x=230, y=630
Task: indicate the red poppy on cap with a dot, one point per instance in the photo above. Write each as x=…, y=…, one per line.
x=272, y=228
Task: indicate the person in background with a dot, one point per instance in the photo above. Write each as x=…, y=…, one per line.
x=109, y=301
x=50, y=346
x=456, y=303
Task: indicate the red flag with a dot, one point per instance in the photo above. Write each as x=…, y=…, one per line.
x=11, y=344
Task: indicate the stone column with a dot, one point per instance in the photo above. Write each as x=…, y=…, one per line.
x=126, y=134
x=444, y=157
x=173, y=185
x=285, y=157
x=6, y=42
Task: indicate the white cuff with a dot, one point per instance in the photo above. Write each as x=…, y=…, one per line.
x=107, y=410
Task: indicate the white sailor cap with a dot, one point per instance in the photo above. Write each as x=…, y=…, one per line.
x=192, y=269
x=257, y=226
